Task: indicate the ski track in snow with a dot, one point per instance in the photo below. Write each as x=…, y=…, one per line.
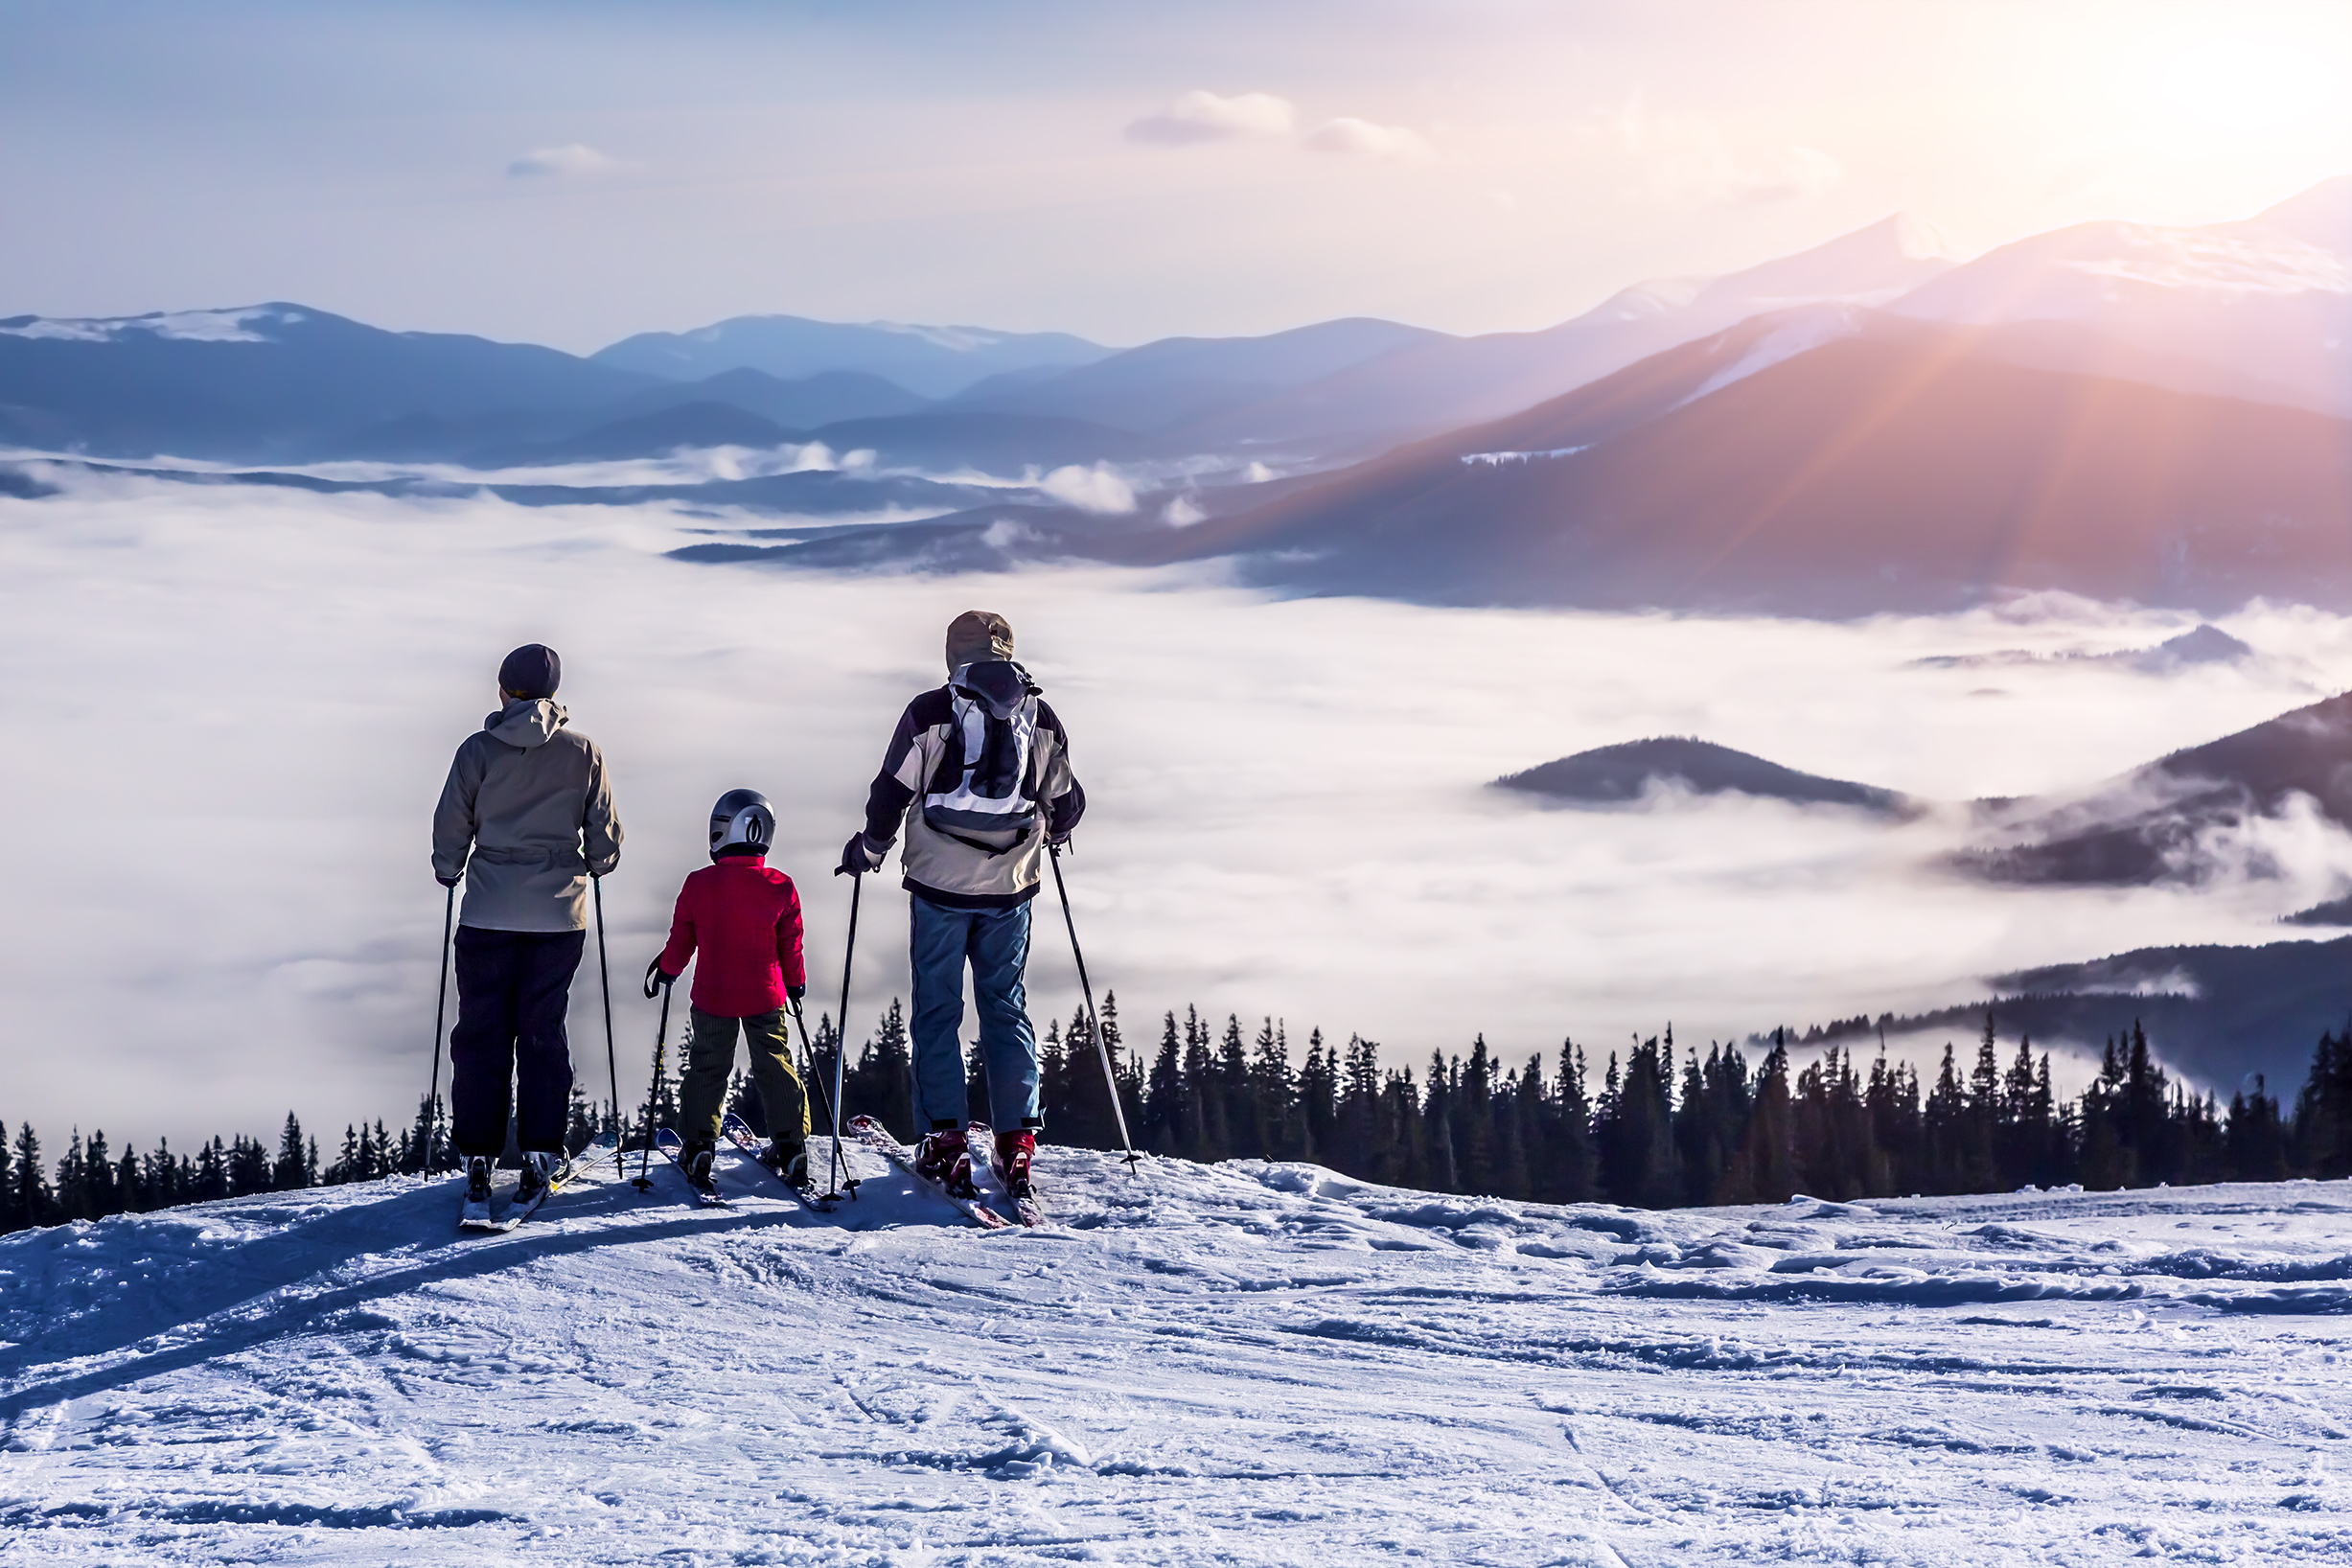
x=1236, y=1364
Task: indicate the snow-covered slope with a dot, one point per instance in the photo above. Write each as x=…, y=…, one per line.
x=1244, y=1363
x=2270, y=298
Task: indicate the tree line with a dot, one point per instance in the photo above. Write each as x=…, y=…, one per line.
x=1660, y=1127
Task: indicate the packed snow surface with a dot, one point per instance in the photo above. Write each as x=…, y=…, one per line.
x=1239, y=1363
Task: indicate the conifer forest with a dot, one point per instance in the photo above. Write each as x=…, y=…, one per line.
x=1654, y=1126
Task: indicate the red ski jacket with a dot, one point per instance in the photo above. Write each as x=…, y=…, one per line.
x=746, y=920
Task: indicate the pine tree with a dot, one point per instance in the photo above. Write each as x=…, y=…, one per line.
x=2255, y=1143
x=1271, y=1092
x=1570, y=1171
x=1165, y=1111
x=2322, y=1143
x=1981, y=1125
x=1205, y=1138
x=212, y=1171
x=1363, y=1148
x=1241, y=1123
x=31, y=1202
x=163, y=1180
x=1444, y=1160
x=99, y=1196
x=129, y=1188
x=975, y=1106
x=1318, y=1117
x=73, y=1189
x=1635, y=1132
x=1765, y=1166
x=290, y=1171
x=580, y=1122
x=250, y=1169
x=1947, y=1130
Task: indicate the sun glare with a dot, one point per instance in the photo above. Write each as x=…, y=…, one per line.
x=2253, y=87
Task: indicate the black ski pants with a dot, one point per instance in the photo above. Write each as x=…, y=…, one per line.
x=509, y=1047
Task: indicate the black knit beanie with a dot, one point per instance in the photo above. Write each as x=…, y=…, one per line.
x=531, y=670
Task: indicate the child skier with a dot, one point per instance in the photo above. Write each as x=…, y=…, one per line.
x=745, y=918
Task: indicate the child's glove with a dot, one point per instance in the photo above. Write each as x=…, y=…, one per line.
x=795, y=993
x=657, y=978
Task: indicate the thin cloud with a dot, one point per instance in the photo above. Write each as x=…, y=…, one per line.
x=1199, y=116
x=1686, y=162
x=574, y=160
x=1363, y=138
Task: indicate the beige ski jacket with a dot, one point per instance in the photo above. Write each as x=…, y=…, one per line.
x=523, y=795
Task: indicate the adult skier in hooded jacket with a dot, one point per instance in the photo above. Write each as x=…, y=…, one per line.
x=526, y=818
x=978, y=774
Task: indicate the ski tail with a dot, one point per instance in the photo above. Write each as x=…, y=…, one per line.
x=674, y=1149
x=876, y=1137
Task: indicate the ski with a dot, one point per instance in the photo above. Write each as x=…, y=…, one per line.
x=738, y=1133
x=1026, y=1210
x=605, y=1143
x=674, y=1149
x=876, y=1137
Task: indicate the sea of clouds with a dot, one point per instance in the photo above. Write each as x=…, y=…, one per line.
x=230, y=711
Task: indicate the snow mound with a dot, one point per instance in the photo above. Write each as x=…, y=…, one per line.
x=1241, y=1363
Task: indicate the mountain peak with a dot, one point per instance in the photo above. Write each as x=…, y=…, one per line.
x=1870, y=265
x=2321, y=216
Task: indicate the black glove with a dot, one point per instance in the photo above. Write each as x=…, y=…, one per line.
x=449, y=882
x=656, y=978
x=795, y=993
x=858, y=857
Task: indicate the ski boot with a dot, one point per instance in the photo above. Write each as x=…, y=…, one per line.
x=790, y=1161
x=945, y=1157
x=1014, y=1152
x=477, y=1210
x=538, y=1168
x=695, y=1162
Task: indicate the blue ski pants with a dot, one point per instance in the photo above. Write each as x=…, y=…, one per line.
x=996, y=944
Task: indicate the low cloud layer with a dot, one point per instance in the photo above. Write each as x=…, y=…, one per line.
x=1097, y=489
x=1289, y=804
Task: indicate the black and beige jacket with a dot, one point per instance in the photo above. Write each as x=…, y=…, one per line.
x=979, y=773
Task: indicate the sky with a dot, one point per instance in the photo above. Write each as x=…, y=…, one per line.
x=571, y=173
x=215, y=800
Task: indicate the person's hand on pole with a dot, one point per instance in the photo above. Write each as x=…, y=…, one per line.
x=657, y=978
x=858, y=857
x=449, y=882
x=795, y=993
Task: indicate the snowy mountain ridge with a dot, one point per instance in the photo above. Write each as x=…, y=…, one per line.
x=1247, y=1363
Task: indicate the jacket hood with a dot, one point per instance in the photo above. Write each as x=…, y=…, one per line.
x=528, y=722
x=1000, y=685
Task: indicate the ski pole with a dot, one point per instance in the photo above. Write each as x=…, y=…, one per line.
x=840, y=1039
x=1110, y=1078
x=613, y=1066
x=441, y=1003
x=653, y=1094
x=816, y=1082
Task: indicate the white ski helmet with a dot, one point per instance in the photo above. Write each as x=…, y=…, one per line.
x=741, y=821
